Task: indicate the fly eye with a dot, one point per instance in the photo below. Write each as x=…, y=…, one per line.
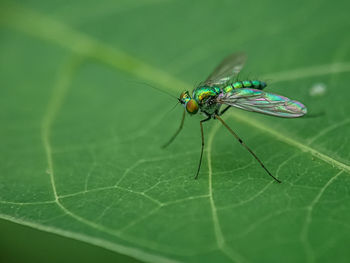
x=192, y=106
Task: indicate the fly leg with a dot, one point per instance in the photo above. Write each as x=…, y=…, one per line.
x=245, y=146
x=202, y=133
x=177, y=132
x=224, y=110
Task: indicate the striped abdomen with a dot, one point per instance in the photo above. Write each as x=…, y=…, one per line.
x=253, y=84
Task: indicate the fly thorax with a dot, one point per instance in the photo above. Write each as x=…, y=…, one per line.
x=206, y=98
x=204, y=93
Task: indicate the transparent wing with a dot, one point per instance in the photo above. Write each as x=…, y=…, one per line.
x=263, y=102
x=226, y=70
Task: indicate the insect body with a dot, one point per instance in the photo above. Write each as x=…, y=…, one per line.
x=206, y=96
x=221, y=90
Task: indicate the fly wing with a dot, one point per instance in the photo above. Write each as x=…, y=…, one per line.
x=263, y=102
x=226, y=70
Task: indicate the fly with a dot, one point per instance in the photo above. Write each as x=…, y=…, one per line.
x=220, y=89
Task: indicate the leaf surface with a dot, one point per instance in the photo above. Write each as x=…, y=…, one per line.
x=81, y=131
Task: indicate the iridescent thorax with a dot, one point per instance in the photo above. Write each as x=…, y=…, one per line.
x=205, y=97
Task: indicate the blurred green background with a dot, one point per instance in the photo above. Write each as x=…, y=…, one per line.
x=80, y=133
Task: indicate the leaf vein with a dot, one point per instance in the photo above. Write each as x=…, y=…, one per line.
x=288, y=140
x=309, y=211
x=220, y=240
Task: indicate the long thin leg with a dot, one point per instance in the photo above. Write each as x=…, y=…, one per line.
x=245, y=146
x=202, y=133
x=177, y=132
x=224, y=110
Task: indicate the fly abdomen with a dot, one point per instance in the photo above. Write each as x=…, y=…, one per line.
x=253, y=84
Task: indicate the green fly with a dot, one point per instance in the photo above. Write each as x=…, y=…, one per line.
x=221, y=88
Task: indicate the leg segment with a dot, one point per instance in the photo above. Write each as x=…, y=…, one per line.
x=224, y=110
x=245, y=146
x=200, y=158
x=177, y=132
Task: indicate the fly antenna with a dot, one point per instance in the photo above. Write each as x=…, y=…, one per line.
x=172, y=108
x=177, y=103
x=156, y=88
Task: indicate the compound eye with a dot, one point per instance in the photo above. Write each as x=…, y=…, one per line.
x=192, y=106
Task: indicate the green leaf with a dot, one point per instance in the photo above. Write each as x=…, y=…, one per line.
x=81, y=129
